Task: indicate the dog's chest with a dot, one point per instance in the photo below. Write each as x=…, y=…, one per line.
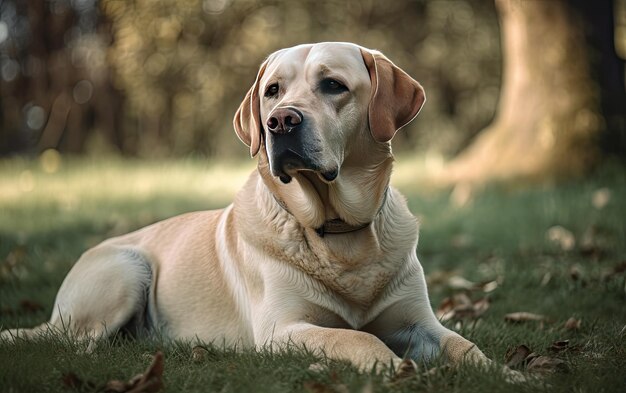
x=357, y=273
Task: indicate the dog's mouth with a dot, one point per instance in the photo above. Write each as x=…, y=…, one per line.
x=289, y=163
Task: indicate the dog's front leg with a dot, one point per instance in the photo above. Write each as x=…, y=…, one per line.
x=425, y=338
x=365, y=351
x=409, y=327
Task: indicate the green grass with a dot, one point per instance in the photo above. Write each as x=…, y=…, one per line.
x=50, y=214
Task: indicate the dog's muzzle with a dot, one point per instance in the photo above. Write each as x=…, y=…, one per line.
x=291, y=148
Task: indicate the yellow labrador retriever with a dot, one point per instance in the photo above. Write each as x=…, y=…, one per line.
x=317, y=249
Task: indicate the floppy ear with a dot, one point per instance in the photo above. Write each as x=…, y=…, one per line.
x=247, y=121
x=396, y=97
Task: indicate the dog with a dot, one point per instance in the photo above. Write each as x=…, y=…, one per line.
x=317, y=250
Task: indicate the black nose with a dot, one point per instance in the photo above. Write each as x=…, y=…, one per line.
x=284, y=120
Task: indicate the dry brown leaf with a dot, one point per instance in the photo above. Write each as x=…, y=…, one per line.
x=572, y=324
x=72, y=381
x=152, y=380
x=489, y=286
x=319, y=387
x=452, y=280
x=562, y=237
x=199, y=354
x=13, y=262
x=460, y=306
x=546, y=364
x=116, y=386
x=459, y=282
x=522, y=358
x=30, y=306
x=523, y=316
x=445, y=311
x=559, y=346
x=439, y=277
x=564, y=346
x=545, y=280
x=515, y=357
x=481, y=306
x=601, y=197
x=148, y=382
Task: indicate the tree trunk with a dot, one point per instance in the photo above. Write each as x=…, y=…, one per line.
x=548, y=117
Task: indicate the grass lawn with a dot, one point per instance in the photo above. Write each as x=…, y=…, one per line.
x=557, y=251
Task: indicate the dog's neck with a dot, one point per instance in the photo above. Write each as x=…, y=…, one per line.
x=348, y=204
x=337, y=226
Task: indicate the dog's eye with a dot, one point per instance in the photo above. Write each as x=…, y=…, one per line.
x=331, y=86
x=272, y=90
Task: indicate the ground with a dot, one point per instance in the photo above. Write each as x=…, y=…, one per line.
x=554, y=250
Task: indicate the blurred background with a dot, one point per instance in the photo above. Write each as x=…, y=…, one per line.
x=163, y=78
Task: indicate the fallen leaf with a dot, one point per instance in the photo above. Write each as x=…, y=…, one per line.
x=546, y=364
x=460, y=306
x=601, y=197
x=515, y=357
x=545, y=280
x=14, y=262
x=148, y=382
x=458, y=282
x=489, y=286
x=523, y=316
x=562, y=237
x=481, y=306
x=445, y=311
x=152, y=380
x=72, y=381
x=116, y=386
x=559, y=346
x=523, y=358
x=30, y=306
x=452, y=280
x=572, y=324
x=439, y=277
x=199, y=354
x=564, y=346
x=319, y=387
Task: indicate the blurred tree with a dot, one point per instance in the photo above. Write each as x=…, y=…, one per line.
x=164, y=77
x=549, y=121
x=54, y=79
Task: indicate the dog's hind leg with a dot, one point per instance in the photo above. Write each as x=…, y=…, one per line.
x=106, y=290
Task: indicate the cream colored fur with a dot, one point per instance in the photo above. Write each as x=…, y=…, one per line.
x=255, y=274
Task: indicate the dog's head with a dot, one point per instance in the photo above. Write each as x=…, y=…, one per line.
x=312, y=103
